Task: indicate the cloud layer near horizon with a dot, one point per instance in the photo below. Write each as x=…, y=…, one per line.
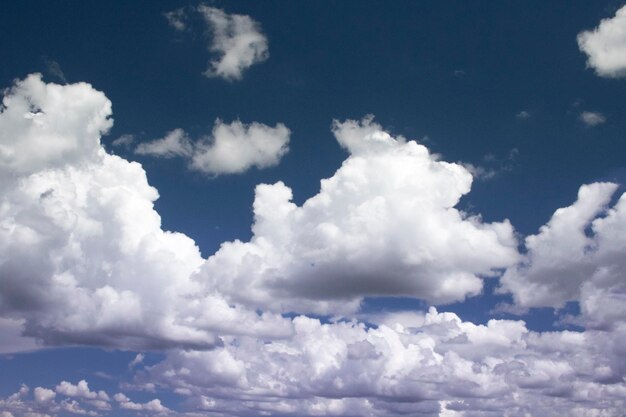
x=84, y=260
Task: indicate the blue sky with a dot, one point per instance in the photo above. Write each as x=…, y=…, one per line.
x=470, y=158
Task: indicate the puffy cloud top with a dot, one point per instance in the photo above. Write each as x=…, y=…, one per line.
x=231, y=149
x=605, y=46
x=383, y=224
x=237, y=41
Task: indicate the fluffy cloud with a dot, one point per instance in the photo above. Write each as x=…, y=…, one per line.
x=231, y=149
x=577, y=256
x=80, y=390
x=83, y=258
x=418, y=366
x=383, y=224
x=605, y=46
x=592, y=118
x=82, y=401
x=237, y=41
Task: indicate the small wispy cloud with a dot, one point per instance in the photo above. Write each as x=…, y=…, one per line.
x=177, y=19
x=591, y=118
x=523, y=115
x=54, y=68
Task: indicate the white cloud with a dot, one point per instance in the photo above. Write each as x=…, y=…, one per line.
x=237, y=41
x=83, y=258
x=44, y=395
x=175, y=143
x=605, y=46
x=591, y=118
x=80, y=390
x=577, y=256
x=438, y=364
x=231, y=149
x=137, y=360
x=383, y=224
x=522, y=115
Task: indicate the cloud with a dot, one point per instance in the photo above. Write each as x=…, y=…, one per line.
x=577, y=256
x=80, y=390
x=605, y=46
x=12, y=338
x=177, y=19
x=83, y=258
x=232, y=148
x=390, y=369
x=138, y=360
x=125, y=141
x=383, y=224
x=44, y=395
x=237, y=41
x=591, y=118
x=522, y=115
x=175, y=143
x=54, y=68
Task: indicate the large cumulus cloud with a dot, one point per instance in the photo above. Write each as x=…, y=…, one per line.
x=577, y=256
x=384, y=224
x=83, y=258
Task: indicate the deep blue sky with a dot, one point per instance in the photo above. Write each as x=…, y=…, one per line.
x=450, y=74
x=345, y=60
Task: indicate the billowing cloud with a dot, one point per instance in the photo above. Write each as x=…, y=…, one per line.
x=592, y=118
x=231, y=149
x=412, y=366
x=237, y=42
x=83, y=258
x=605, y=46
x=577, y=256
x=383, y=224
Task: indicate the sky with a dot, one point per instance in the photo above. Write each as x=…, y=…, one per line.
x=319, y=208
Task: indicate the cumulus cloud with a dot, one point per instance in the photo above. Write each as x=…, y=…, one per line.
x=592, y=118
x=231, y=149
x=80, y=390
x=83, y=258
x=434, y=363
x=605, y=46
x=577, y=256
x=237, y=42
x=383, y=224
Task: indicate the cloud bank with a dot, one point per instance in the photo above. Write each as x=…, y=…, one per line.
x=84, y=260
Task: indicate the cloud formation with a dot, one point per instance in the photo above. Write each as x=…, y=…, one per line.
x=577, y=256
x=414, y=364
x=83, y=258
x=383, y=224
x=605, y=46
x=592, y=118
x=237, y=42
x=231, y=149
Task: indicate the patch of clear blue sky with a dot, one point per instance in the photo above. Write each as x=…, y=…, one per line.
x=456, y=72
